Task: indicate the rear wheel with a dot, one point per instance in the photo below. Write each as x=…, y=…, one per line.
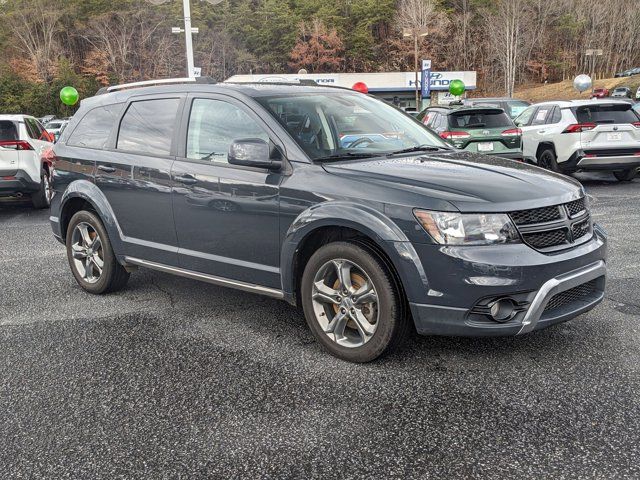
x=42, y=198
x=351, y=303
x=90, y=256
x=625, y=175
x=547, y=159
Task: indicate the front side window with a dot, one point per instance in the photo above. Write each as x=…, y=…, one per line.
x=334, y=124
x=541, y=115
x=148, y=126
x=95, y=127
x=214, y=125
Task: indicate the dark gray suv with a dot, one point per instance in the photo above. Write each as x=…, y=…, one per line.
x=329, y=199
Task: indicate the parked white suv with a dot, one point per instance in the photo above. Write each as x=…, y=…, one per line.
x=23, y=170
x=582, y=135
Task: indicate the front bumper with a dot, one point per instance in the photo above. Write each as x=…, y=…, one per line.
x=16, y=182
x=474, y=275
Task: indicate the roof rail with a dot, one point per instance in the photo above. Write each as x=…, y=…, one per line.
x=162, y=81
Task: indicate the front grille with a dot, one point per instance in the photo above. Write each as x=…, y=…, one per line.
x=570, y=296
x=576, y=207
x=581, y=229
x=558, y=227
x=548, y=239
x=537, y=215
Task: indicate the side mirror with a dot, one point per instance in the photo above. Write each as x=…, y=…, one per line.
x=252, y=152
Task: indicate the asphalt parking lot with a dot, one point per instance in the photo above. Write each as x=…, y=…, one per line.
x=177, y=379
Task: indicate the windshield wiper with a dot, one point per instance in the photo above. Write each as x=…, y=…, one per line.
x=419, y=148
x=346, y=156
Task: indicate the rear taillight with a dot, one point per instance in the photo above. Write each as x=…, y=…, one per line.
x=579, y=127
x=16, y=144
x=636, y=124
x=455, y=135
x=512, y=132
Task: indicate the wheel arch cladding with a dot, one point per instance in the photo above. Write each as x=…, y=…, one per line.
x=332, y=221
x=544, y=146
x=82, y=193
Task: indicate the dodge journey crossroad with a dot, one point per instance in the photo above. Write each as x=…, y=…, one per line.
x=329, y=199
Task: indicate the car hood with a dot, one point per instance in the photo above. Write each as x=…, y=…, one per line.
x=469, y=182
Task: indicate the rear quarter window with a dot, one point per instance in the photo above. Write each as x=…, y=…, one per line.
x=622, y=113
x=95, y=127
x=148, y=126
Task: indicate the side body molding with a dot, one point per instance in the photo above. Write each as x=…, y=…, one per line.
x=366, y=220
x=89, y=192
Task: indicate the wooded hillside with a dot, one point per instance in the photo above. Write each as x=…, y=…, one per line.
x=48, y=43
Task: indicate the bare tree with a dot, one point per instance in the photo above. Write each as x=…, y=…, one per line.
x=505, y=27
x=35, y=25
x=133, y=44
x=414, y=19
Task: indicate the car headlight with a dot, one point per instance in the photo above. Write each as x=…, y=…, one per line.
x=450, y=228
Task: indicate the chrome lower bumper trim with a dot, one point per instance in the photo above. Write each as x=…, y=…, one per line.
x=623, y=159
x=556, y=285
x=223, y=282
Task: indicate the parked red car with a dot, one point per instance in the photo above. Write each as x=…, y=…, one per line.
x=600, y=93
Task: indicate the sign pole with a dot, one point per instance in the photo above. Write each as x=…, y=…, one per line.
x=188, y=34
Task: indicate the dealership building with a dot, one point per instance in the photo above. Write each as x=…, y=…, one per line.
x=397, y=87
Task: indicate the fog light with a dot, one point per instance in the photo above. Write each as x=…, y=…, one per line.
x=502, y=310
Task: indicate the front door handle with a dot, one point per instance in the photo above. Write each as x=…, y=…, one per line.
x=106, y=168
x=185, y=179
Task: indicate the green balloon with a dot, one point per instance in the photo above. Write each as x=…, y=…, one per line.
x=456, y=87
x=69, y=96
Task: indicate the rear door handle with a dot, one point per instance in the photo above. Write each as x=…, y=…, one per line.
x=186, y=179
x=106, y=168
x=541, y=131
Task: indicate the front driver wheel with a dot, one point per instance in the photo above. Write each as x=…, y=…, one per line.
x=625, y=175
x=90, y=256
x=351, y=303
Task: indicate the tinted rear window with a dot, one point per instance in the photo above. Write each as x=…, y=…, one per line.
x=605, y=114
x=8, y=131
x=148, y=126
x=94, y=128
x=480, y=119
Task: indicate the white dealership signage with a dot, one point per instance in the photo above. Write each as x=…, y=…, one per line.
x=377, y=82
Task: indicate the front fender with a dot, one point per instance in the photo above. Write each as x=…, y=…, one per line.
x=89, y=192
x=369, y=222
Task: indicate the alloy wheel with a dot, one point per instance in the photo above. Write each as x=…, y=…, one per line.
x=87, y=251
x=345, y=303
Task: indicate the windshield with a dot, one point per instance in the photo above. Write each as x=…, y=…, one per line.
x=346, y=124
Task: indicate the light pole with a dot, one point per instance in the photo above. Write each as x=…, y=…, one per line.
x=188, y=31
x=416, y=33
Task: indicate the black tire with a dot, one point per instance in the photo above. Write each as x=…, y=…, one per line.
x=42, y=198
x=392, y=327
x=626, y=175
x=113, y=276
x=547, y=159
